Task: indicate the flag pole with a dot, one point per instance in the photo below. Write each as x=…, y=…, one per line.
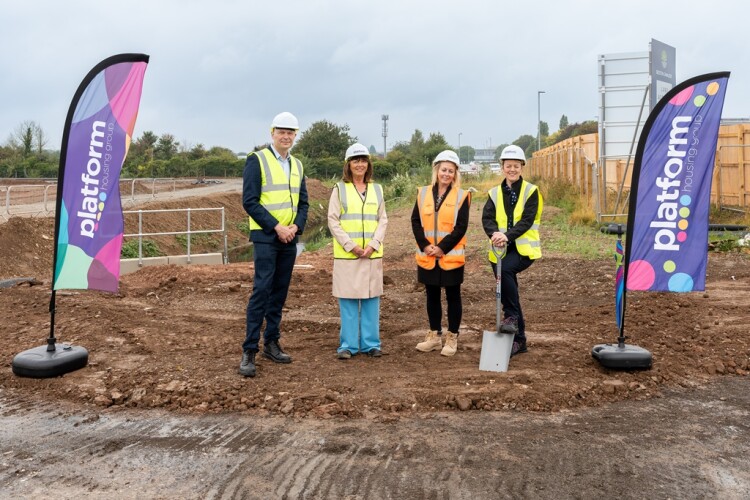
x=51, y=339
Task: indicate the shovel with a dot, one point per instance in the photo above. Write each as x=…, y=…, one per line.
x=496, y=346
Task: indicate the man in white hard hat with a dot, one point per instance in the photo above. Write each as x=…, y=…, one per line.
x=510, y=219
x=275, y=198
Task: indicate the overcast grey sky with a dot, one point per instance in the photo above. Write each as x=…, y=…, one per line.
x=221, y=69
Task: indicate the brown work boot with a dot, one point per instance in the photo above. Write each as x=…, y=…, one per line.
x=451, y=344
x=432, y=342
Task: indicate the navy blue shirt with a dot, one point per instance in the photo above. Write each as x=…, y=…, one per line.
x=489, y=223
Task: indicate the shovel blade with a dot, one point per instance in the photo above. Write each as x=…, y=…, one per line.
x=496, y=349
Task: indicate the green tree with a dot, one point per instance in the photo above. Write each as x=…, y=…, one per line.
x=434, y=145
x=573, y=130
x=402, y=161
x=325, y=168
x=23, y=138
x=383, y=169
x=543, y=129
x=28, y=141
x=140, y=156
x=416, y=144
x=525, y=141
x=372, y=150
x=413, y=151
x=40, y=140
x=7, y=161
x=416, y=155
x=466, y=154
x=563, y=122
x=197, y=152
x=148, y=140
x=221, y=151
x=324, y=140
x=166, y=147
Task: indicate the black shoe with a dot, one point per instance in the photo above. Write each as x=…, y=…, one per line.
x=509, y=325
x=247, y=366
x=374, y=353
x=272, y=350
x=344, y=355
x=518, y=348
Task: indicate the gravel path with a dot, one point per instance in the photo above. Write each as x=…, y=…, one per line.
x=689, y=444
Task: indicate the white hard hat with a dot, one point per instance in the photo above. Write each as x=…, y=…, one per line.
x=513, y=152
x=285, y=120
x=447, y=155
x=356, y=149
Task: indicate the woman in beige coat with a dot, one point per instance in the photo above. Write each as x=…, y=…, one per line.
x=357, y=221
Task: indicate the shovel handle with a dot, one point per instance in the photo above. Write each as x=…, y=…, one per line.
x=498, y=285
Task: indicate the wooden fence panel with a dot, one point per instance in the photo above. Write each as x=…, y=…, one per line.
x=572, y=159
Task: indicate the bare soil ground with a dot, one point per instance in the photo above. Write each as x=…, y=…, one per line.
x=170, y=340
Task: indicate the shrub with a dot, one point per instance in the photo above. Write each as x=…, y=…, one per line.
x=130, y=249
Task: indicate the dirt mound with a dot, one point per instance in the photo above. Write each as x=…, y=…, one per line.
x=26, y=246
x=171, y=337
x=316, y=190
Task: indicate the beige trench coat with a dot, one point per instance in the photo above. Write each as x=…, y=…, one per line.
x=360, y=278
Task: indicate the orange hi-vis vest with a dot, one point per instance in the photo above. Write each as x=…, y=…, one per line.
x=439, y=224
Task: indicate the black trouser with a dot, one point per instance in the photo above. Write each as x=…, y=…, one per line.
x=274, y=263
x=435, y=307
x=512, y=264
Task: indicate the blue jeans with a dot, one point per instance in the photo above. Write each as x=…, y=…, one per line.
x=274, y=263
x=360, y=325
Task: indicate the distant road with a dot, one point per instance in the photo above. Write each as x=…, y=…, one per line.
x=40, y=209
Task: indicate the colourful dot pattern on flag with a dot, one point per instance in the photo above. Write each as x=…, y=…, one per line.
x=642, y=274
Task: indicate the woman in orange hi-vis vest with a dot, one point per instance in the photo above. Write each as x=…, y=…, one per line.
x=439, y=222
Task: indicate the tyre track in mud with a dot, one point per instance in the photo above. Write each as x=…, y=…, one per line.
x=688, y=444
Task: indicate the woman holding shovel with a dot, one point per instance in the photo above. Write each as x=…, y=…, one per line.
x=439, y=222
x=510, y=219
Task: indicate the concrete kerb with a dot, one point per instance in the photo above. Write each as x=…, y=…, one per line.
x=128, y=266
x=202, y=258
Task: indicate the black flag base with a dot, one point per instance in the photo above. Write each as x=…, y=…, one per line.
x=622, y=357
x=41, y=362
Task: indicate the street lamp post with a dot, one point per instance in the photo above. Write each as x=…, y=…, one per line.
x=459, y=146
x=539, y=119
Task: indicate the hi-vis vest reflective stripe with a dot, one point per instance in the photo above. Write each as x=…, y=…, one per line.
x=438, y=225
x=278, y=195
x=359, y=218
x=528, y=243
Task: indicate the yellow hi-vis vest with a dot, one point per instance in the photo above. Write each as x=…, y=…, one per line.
x=279, y=194
x=528, y=243
x=439, y=224
x=359, y=218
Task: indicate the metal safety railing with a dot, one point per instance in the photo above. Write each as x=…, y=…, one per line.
x=189, y=231
x=28, y=199
x=41, y=199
